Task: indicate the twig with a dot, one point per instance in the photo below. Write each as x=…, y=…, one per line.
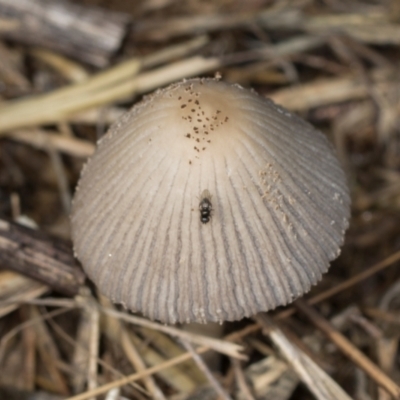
x=349, y=349
x=136, y=376
x=222, y=346
x=24, y=290
x=94, y=321
x=173, y=27
x=89, y=33
x=117, y=330
x=241, y=380
x=29, y=339
x=318, y=381
x=25, y=324
x=168, y=348
x=92, y=116
x=384, y=316
x=327, y=91
x=40, y=256
x=80, y=359
x=61, y=176
x=71, y=70
x=348, y=283
x=135, y=359
x=58, y=330
x=48, y=301
x=176, y=377
x=203, y=367
x=48, y=351
x=373, y=28
x=10, y=69
x=42, y=139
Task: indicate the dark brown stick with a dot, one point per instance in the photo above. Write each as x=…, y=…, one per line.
x=39, y=256
x=87, y=33
x=349, y=349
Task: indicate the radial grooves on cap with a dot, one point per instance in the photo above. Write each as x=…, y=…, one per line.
x=280, y=243
x=138, y=283
x=279, y=206
x=156, y=289
x=240, y=270
x=184, y=306
x=279, y=288
x=298, y=194
x=112, y=232
x=179, y=301
x=303, y=131
x=113, y=236
x=118, y=170
x=174, y=286
x=169, y=250
x=299, y=163
x=223, y=312
x=235, y=296
x=289, y=166
x=114, y=180
x=282, y=188
x=247, y=251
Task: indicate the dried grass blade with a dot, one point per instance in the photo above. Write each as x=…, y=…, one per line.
x=318, y=381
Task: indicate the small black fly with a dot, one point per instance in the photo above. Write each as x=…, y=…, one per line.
x=205, y=207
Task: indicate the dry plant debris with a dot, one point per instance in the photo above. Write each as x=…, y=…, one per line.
x=334, y=62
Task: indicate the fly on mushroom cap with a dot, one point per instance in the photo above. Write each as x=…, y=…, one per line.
x=279, y=205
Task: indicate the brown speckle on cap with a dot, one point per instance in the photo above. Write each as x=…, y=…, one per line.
x=280, y=206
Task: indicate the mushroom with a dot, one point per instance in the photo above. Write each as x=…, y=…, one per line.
x=207, y=202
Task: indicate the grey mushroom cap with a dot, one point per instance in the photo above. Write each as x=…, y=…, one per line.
x=279, y=205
